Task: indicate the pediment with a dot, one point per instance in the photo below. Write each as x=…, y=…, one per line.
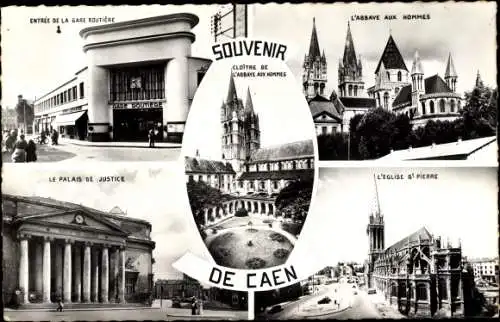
x=28, y=209
x=76, y=219
x=324, y=116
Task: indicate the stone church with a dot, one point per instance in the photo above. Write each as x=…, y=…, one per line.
x=419, y=275
x=251, y=174
x=60, y=250
x=396, y=88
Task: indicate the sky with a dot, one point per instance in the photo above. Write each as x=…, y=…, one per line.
x=36, y=59
x=151, y=192
x=284, y=115
x=467, y=30
x=461, y=203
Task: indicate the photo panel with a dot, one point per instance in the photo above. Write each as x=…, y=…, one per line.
x=99, y=244
x=394, y=81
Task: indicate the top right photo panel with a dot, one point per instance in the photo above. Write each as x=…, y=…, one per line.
x=393, y=82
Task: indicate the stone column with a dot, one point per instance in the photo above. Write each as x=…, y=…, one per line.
x=59, y=269
x=38, y=264
x=104, y=275
x=116, y=274
x=86, y=273
x=113, y=271
x=24, y=268
x=77, y=273
x=269, y=189
x=95, y=276
x=121, y=275
x=46, y=270
x=67, y=272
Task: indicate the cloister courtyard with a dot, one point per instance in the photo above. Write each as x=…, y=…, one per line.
x=249, y=242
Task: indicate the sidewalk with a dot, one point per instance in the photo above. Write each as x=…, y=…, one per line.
x=158, y=145
x=385, y=310
x=81, y=307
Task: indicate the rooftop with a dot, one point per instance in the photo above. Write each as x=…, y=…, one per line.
x=285, y=151
x=197, y=165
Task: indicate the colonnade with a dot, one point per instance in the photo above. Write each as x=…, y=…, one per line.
x=215, y=214
x=76, y=271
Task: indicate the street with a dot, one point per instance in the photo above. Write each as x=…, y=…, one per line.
x=165, y=313
x=68, y=152
x=360, y=306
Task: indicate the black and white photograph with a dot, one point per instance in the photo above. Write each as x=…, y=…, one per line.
x=98, y=244
x=396, y=81
x=405, y=243
x=105, y=83
x=249, y=165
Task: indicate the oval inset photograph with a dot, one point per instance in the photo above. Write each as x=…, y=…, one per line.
x=249, y=154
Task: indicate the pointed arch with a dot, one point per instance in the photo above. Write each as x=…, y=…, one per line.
x=431, y=107
x=399, y=76
x=442, y=106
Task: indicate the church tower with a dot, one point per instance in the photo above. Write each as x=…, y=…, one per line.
x=314, y=73
x=450, y=75
x=251, y=124
x=417, y=80
x=233, y=135
x=350, y=70
x=375, y=232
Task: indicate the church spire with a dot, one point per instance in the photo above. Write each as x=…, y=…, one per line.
x=479, y=81
x=377, y=201
x=248, y=102
x=349, y=52
x=450, y=68
x=417, y=64
x=314, y=45
x=231, y=92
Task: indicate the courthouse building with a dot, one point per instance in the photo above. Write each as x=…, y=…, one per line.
x=140, y=76
x=55, y=249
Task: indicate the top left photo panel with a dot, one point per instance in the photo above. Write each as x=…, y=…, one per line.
x=109, y=83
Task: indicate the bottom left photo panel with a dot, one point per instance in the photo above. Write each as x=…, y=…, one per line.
x=98, y=243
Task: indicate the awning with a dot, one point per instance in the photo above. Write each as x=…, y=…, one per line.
x=68, y=119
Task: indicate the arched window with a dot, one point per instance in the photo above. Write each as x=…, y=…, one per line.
x=350, y=90
x=388, y=76
x=399, y=76
x=441, y=106
x=452, y=106
x=293, y=165
x=459, y=105
x=386, y=100
x=432, y=107
x=355, y=90
x=378, y=99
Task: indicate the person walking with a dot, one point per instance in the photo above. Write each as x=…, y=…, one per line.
x=193, y=306
x=31, y=151
x=19, y=154
x=60, y=305
x=151, y=138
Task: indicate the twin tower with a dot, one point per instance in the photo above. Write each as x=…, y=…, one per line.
x=240, y=128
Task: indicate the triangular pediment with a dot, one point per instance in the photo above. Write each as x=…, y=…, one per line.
x=76, y=219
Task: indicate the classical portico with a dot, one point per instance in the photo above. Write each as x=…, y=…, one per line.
x=75, y=269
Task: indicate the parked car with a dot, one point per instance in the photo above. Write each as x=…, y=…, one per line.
x=176, y=302
x=372, y=291
x=275, y=309
x=325, y=300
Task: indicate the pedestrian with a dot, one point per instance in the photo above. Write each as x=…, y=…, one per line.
x=19, y=154
x=60, y=305
x=151, y=138
x=193, y=306
x=31, y=151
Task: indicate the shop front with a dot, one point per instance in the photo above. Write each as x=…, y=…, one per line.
x=72, y=125
x=134, y=124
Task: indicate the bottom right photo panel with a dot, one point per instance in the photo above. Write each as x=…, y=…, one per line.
x=406, y=243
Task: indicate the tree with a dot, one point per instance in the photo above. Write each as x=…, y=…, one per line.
x=380, y=130
x=479, y=115
x=24, y=109
x=332, y=146
x=295, y=198
x=202, y=196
